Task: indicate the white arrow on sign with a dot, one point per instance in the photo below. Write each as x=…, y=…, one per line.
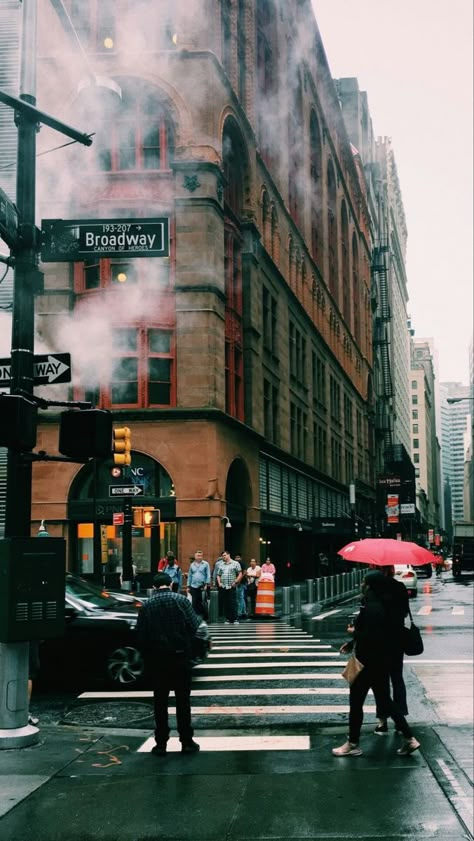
x=52, y=369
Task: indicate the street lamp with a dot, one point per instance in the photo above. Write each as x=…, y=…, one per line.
x=228, y=524
x=298, y=526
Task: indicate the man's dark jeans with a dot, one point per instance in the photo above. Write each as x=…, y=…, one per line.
x=399, y=692
x=172, y=672
x=229, y=603
x=374, y=676
x=199, y=601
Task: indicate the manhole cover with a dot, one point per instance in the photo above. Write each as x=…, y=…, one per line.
x=108, y=715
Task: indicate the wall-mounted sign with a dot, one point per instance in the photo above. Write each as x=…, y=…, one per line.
x=65, y=240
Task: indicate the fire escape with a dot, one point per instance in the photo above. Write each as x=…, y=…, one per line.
x=381, y=341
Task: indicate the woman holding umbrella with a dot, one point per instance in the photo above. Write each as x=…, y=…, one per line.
x=372, y=642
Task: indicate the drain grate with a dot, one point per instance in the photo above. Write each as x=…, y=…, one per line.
x=108, y=715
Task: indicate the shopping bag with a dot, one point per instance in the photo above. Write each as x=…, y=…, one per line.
x=352, y=670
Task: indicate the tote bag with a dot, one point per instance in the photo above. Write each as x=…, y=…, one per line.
x=352, y=670
x=412, y=640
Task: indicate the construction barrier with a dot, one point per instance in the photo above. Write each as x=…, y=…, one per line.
x=265, y=604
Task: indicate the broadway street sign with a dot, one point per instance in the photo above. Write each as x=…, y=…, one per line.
x=64, y=240
x=47, y=369
x=125, y=490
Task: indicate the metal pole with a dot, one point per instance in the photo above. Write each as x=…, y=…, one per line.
x=127, y=572
x=14, y=728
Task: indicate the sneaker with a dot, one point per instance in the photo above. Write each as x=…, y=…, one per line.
x=159, y=750
x=409, y=746
x=32, y=720
x=381, y=729
x=347, y=749
x=236, y=622
x=226, y=622
x=190, y=747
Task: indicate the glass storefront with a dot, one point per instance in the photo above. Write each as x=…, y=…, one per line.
x=101, y=498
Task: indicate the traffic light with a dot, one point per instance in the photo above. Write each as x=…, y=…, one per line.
x=146, y=517
x=85, y=433
x=18, y=418
x=151, y=517
x=122, y=445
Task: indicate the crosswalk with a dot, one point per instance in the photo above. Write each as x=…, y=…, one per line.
x=261, y=673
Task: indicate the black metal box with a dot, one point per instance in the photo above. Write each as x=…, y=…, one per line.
x=32, y=588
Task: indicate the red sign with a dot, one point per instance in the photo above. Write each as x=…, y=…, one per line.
x=118, y=519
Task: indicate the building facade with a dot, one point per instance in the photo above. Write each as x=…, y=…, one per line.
x=425, y=448
x=455, y=423
x=242, y=361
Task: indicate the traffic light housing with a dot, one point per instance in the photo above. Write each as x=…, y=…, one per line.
x=18, y=418
x=85, y=433
x=146, y=517
x=122, y=445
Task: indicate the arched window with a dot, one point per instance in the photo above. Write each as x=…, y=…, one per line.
x=137, y=133
x=332, y=230
x=295, y=136
x=234, y=156
x=275, y=237
x=292, y=263
x=226, y=35
x=355, y=289
x=267, y=76
x=346, y=298
x=316, y=190
x=266, y=223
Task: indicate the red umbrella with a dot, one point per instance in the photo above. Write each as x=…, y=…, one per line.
x=382, y=551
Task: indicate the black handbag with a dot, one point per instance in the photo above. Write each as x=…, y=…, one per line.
x=412, y=640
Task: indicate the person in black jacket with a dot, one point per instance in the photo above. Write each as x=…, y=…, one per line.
x=166, y=628
x=373, y=641
x=397, y=605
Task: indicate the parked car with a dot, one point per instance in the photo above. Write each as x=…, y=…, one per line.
x=425, y=571
x=99, y=640
x=407, y=575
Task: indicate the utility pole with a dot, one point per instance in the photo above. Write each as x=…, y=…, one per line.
x=14, y=728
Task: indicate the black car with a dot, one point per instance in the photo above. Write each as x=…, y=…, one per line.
x=99, y=640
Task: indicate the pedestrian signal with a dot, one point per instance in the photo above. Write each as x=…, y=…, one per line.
x=151, y=517
x=85, y=433
x=122, y=445
x=146, y=517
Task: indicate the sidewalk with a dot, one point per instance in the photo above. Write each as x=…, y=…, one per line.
x=82, y=784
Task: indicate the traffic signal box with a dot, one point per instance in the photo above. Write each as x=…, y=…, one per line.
x=18, y=417
x=85, y=433
x=146, y=517
x=32, y=584
x=122, y=445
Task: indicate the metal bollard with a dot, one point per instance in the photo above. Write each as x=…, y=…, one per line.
x=309, y=590
x=214, y=606
x=318, y=589
x=150, y=592
x=325, y=587
x=285, y=600
x=297, y=598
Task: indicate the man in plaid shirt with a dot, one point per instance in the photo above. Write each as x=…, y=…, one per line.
x=228, y=576
x=165, y=630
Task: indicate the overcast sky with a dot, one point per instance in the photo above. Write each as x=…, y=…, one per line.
x=415, y=60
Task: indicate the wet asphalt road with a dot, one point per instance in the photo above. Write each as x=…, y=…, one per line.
x=265, y=770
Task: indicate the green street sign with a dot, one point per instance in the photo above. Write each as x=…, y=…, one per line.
x=81, y=239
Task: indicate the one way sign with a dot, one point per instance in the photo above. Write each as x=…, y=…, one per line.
x=47, y=369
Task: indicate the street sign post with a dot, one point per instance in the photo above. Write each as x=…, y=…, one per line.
x=125, y=490
x=48, y=368
x=64, y=240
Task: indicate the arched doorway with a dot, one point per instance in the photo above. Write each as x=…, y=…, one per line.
x=100, y=510
x=238, y=493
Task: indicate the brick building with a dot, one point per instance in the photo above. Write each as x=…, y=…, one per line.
x=242, y=362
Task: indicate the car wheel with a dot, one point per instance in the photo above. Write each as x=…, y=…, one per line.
x=125, y=666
